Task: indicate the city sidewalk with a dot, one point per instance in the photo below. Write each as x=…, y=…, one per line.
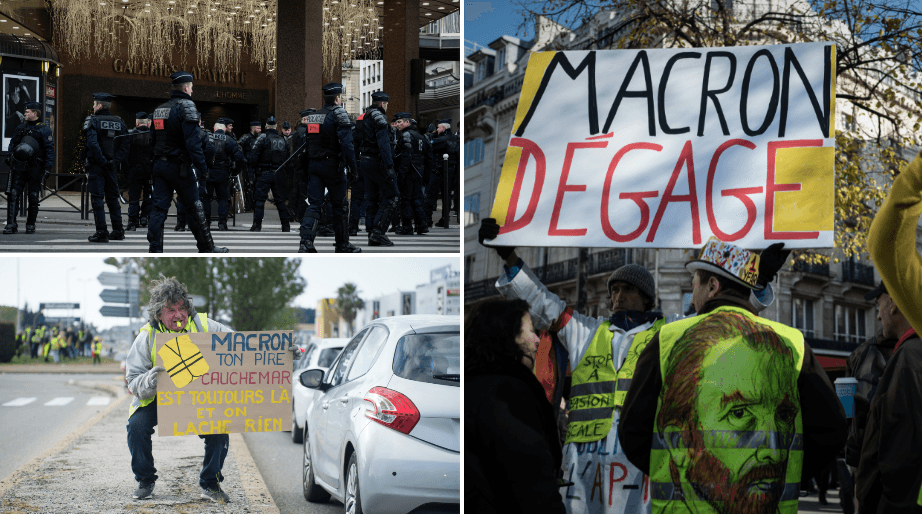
x=56, y=210
x=64, y=368
x=89, y=471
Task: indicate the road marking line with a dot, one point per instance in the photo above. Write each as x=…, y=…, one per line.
x=99, y=400
x=18, y=402
x=59, y=402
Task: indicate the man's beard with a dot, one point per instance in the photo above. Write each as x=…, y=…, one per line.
x=712, y=483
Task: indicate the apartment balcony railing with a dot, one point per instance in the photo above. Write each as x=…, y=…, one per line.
x=858, y=273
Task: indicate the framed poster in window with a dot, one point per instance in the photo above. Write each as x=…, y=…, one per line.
x=17, y=90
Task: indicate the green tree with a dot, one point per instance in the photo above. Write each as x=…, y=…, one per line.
x=348, y=303
x=251, y=294
x=878, y=64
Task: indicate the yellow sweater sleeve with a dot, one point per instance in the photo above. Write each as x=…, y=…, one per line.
x=892, y=242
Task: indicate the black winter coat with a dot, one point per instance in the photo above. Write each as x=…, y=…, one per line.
x=512, y=453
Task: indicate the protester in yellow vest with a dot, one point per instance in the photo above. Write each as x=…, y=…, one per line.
x=54, y=345
x=602, y=352
x=97, y=350
x=171, y=311
x=65, y=344
x=728, y=410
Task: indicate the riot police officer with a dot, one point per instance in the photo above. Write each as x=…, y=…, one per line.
x=227, y=159
x=249, y=180
x=286, y=129
x=31, y=160
x=377, y=165
x=269, y=152
x=329, y=144
x=444, y=142
x=201, y=177
x=103, y=156
x=140, y=166
x=177, y=143
x=301, y=162
x=412, y=165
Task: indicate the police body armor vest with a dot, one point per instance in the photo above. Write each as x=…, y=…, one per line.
x=319, y=145
x=169, y=143
x=358, y=133
x=140, y=154
x=668, y=497
x=275, y=151
x=196, y=323
x=418, y=149
x=110, y=126
x=369, y=136
x=221, y=159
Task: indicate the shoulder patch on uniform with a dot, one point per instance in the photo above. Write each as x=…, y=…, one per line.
x=379, y=118
x=342, y=118
x=87, y=122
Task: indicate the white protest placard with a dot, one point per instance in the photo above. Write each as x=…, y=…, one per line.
x=667, y=147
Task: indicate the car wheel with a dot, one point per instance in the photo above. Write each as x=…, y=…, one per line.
x=296, y=431
x=312, y=492
x=353, y=499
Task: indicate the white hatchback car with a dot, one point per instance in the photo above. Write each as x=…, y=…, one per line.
x=383, y=434
x=319, y=354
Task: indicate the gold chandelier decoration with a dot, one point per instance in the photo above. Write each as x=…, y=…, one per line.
x=150, y=31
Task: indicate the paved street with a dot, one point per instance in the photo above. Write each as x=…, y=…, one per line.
x=36, y=410
x=60, y=229
x=279, y=463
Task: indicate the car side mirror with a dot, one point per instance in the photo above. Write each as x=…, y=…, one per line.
x=312, y=379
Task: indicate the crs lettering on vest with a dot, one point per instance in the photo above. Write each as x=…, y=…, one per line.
x=314, y=122
x=160, y=116
x=110, y=126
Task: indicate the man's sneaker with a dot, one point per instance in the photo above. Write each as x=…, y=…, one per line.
x=215, y=494
x=143, y=491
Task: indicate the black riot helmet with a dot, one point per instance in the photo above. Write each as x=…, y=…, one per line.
x=23, y=153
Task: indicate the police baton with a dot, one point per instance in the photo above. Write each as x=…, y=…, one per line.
x=293, y=154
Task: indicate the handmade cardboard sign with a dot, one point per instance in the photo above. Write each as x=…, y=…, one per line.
x=667, y=147
x=220, y=383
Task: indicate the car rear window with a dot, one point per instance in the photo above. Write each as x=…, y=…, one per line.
x=327, y=357
x=429, y=357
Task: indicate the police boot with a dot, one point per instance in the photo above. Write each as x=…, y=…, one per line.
x=132, y=225
x=342, y=238
x=101, y=236
x=118, y=233
x=202, y=235
x=307, y=246
x=421, y=227
x=377, y=238
x=405, y=229
x=30, y=229
x=354, y=228
x=257, y=225
x=180, y=226
x=11, y=226
x=286, y=228
x=442, y=223
x=308, y=233
x=326, y=230
x=143, y=222
x=222, y=225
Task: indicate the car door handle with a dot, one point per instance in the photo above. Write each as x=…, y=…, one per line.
x=325, y=405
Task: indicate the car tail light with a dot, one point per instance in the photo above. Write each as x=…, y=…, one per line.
x=392, y=409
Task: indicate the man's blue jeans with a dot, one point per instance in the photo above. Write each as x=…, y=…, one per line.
x=141, y=427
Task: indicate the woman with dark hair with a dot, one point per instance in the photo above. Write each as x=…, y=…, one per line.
x=512, y=452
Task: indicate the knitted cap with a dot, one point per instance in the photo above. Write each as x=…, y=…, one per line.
x=637, y=276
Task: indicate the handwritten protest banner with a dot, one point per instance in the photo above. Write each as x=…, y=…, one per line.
x=667, y=147
x=219, y=383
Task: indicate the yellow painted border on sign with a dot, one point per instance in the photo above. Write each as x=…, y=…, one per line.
x=506, y=182
x=832, y=94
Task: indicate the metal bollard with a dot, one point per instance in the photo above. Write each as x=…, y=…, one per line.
x=446, y=200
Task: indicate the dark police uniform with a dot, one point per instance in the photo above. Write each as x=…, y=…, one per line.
x=357, y=202
x=329, y=145
x=201, y=177
x=377, y=165
x=103, y=155
x=227, y=157
x=445, y=143
x=249, y=180
x=269, y=152
x=177, y=142
x=140, y=166
x=301, y=164
x=31, y=157
x=412, y=165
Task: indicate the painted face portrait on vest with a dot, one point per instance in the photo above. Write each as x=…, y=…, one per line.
x=729, y=409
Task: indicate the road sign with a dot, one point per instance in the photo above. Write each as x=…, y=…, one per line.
x=67, y=321
x=58, y=306
x=114, y=279
x=118, y=311
x=119, y=296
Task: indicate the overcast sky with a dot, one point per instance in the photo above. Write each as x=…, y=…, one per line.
x=73, y=279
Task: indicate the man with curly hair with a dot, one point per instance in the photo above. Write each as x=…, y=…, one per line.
x=171, y=311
